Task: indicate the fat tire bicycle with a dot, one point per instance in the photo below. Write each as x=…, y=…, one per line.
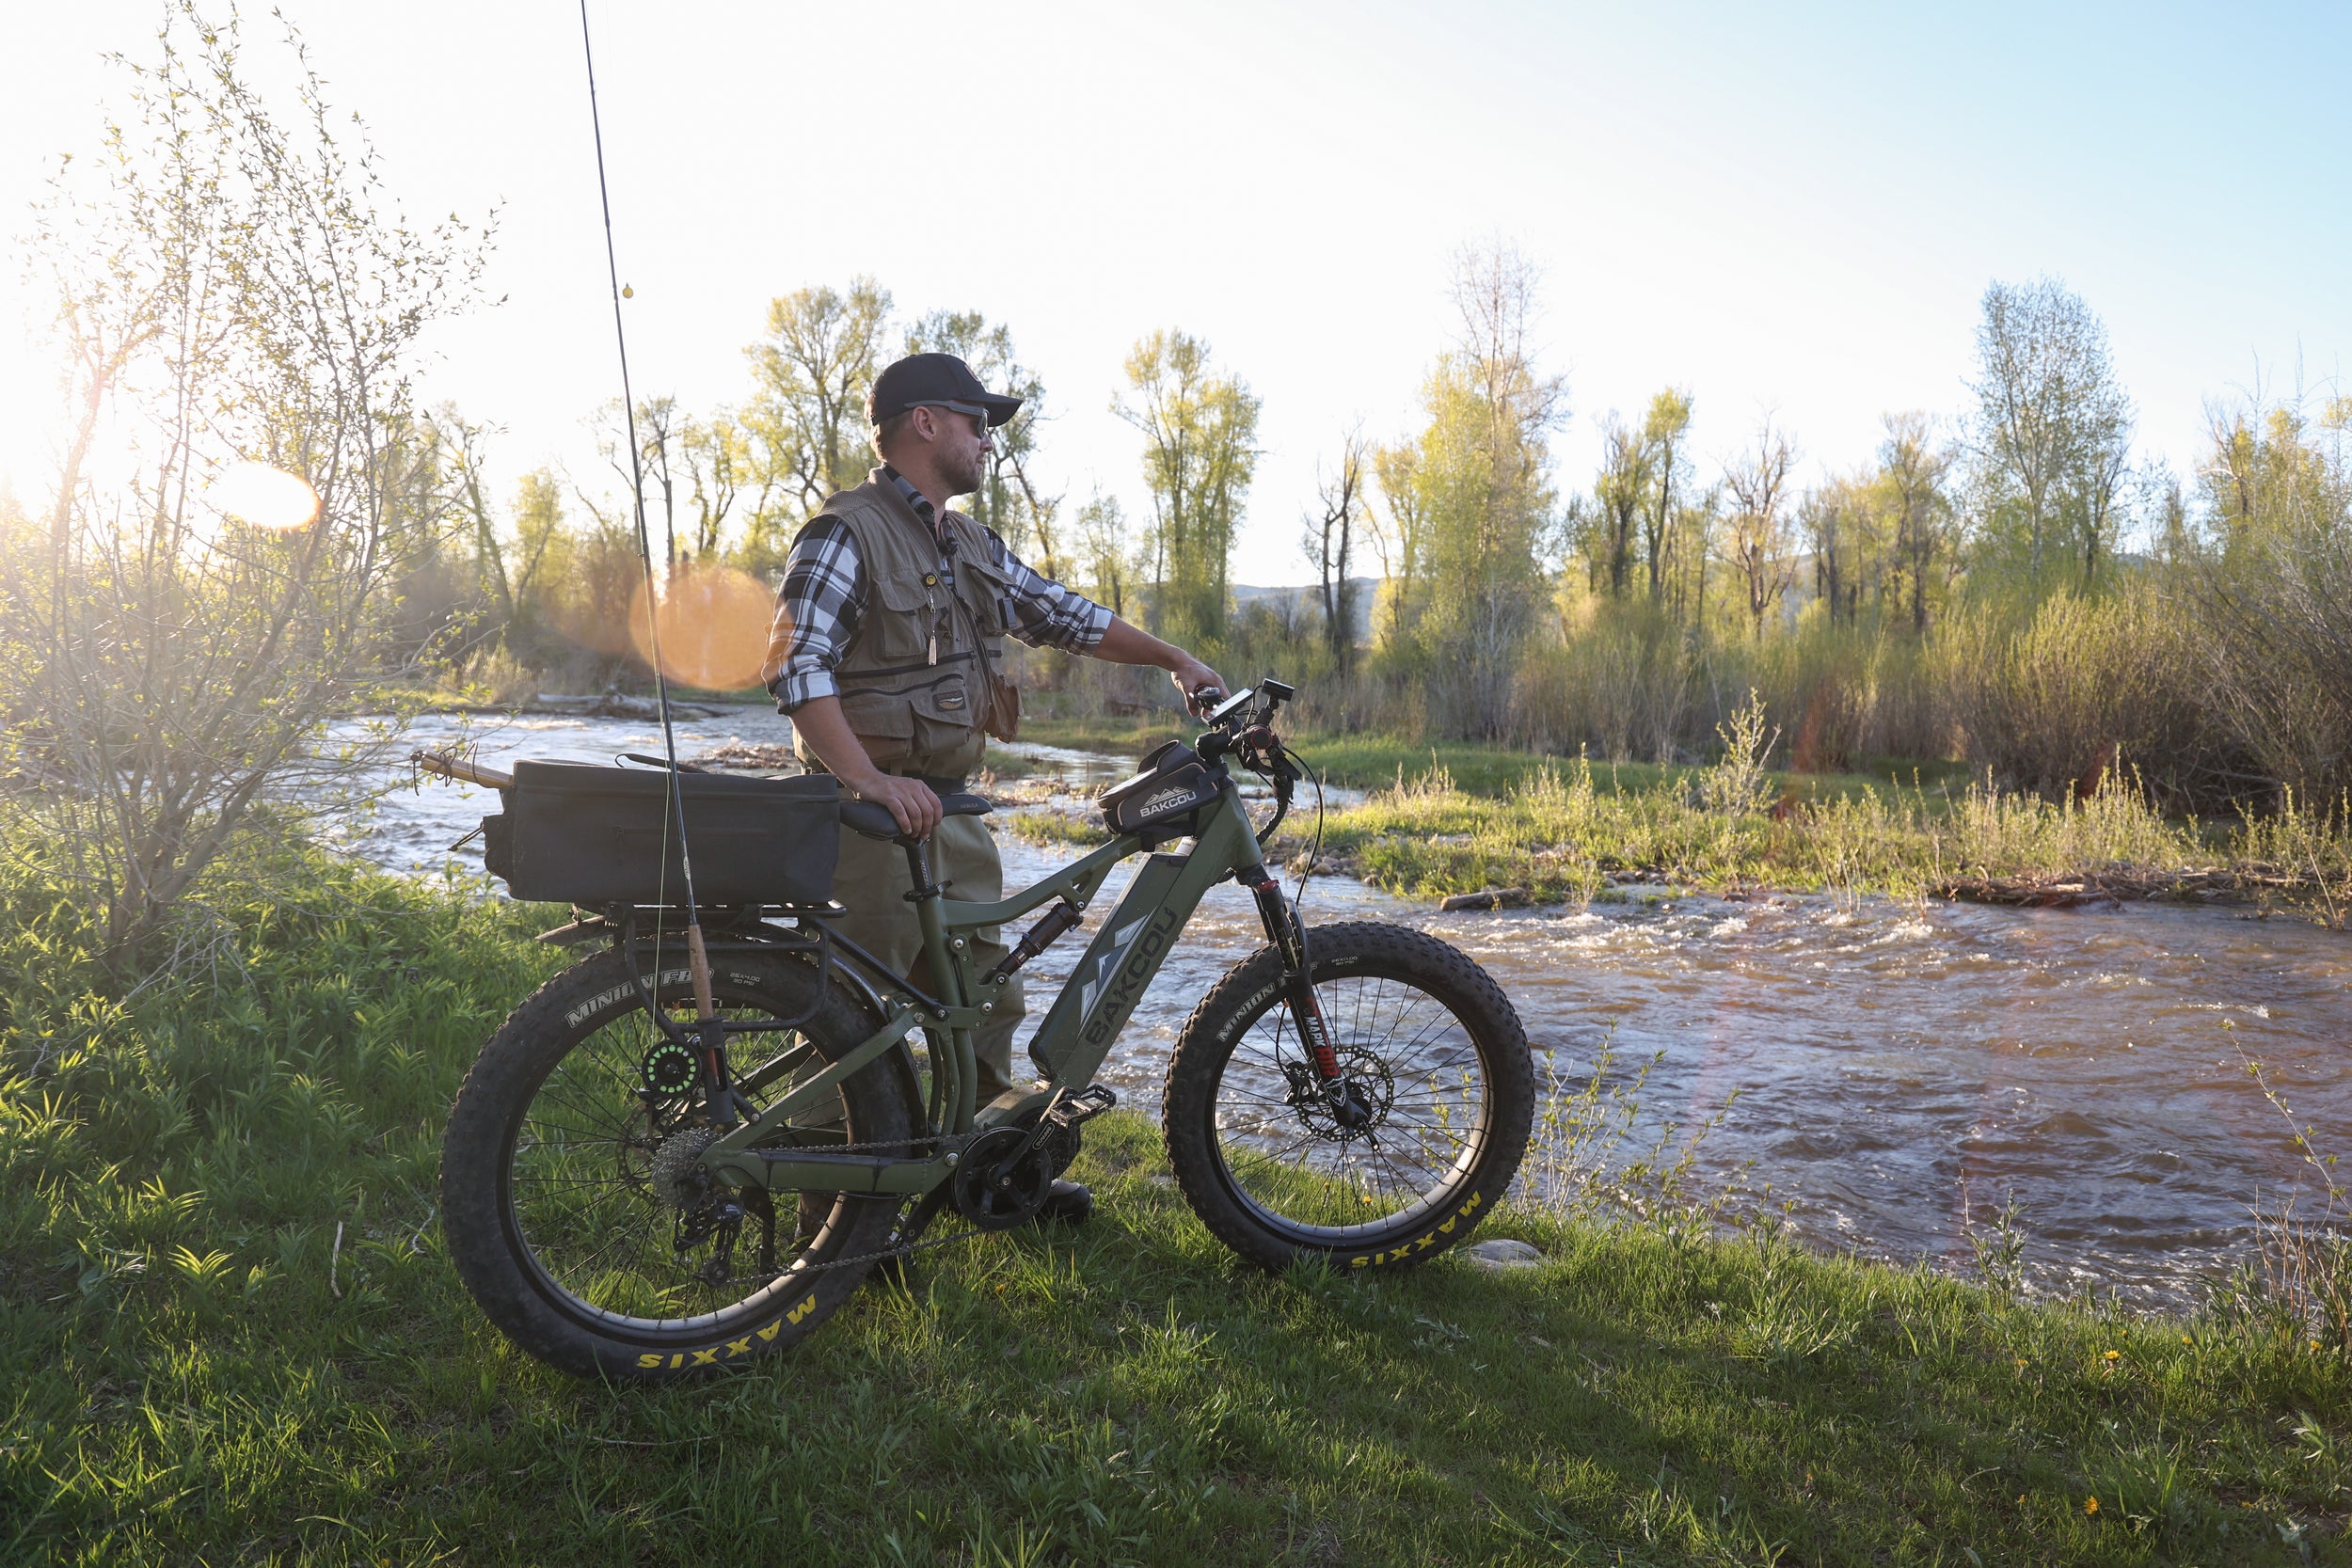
x=624, y=1205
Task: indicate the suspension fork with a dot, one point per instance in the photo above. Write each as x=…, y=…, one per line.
x=1288, y=934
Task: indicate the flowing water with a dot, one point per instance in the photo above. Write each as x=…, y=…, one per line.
x=1892, y=1065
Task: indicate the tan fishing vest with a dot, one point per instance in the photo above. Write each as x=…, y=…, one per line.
x=914, y=683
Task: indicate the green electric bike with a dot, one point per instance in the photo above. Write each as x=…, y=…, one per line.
x=639, y=1182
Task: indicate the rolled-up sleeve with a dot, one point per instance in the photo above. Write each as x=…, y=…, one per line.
x=817, y=613
x=1044, y=614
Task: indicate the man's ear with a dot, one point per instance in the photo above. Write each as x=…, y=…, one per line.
x=923, y=422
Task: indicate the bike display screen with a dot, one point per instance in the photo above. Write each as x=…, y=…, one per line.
x=1231, y=705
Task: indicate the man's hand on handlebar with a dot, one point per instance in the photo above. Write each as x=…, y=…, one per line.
x=1201, y=688
x=910, y=802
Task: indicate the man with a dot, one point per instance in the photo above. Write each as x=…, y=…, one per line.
x=888, y=635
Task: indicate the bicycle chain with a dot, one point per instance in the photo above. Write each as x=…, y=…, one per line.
x=905, y=1250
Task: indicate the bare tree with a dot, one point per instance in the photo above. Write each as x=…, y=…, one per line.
x=1759, y=482
x=238, y=305
x=1329, y=542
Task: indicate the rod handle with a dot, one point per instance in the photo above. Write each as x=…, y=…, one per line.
x=457, y=768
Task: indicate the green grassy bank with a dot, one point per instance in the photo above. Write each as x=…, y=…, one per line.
x=1567, y=830
x=193, y=1369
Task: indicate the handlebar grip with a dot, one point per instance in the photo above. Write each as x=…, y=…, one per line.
x=1205, y=699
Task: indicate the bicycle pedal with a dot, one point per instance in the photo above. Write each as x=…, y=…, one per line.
x=1085, y=1105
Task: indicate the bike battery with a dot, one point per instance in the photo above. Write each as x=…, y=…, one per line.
x=578, y=833
x=1173, y=784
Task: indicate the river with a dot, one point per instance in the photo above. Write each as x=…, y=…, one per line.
x=1888, y=1064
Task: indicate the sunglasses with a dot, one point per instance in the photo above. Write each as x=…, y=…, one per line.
x=979, y=414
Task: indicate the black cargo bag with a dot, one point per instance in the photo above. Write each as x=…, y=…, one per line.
x=578, y=833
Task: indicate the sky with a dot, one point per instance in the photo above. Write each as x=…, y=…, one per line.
x=1791, y=210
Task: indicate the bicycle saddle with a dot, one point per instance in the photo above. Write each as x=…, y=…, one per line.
x=876, y=822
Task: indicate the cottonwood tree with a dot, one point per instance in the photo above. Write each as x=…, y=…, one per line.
x=721, y=468
x=1200, y=428
x=1912, y=469
x=1330, y=542
x=1009, y=500
x=1759, y=539
x=1103, y=551
x=2053, y=427
x=229, y=286
x=1663, y=431
x=1399, y=537
x=811, y=372
x=1480, y=487
x=1617, y=493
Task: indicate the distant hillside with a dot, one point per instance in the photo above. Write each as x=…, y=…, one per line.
x=1307, y=601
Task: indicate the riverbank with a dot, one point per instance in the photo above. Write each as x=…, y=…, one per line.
x=229, y=1329
x=1575, y=833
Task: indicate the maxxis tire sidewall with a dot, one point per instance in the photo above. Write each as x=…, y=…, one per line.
x=1211, y=1034
x=478, y=1223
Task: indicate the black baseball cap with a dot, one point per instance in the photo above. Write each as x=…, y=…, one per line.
x=941, y=380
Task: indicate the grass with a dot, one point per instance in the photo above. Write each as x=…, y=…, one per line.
x=1562, y=830
x=1358, y=760
x=1563, y=833
x=229, y=1333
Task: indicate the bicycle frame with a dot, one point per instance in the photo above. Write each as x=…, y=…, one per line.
x=1074, y=1039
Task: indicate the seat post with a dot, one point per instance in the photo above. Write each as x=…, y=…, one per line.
x=919, y=868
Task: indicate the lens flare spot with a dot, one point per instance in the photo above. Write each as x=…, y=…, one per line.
x=714, y=624
x=264, y=496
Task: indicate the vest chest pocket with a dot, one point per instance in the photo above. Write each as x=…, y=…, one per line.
x=900, y=621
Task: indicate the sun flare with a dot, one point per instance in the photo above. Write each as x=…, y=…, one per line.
x=713, y=623
x=264, y=496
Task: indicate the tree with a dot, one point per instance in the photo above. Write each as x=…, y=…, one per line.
x=1329, y=542
x=239, y=301
x=1912, y=467
x=1759, y=482
x=1618, y=491
x=1400, y=539
x=1104, y=546
x=1199, y=429
x=2053, y=427
x=1662, y=431
x=718, y=458
x=1007, y=499
x=811, y=374
x=1479, y=479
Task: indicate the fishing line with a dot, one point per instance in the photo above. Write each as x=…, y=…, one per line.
x=675, y=818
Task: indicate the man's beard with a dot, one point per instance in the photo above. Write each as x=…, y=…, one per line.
x=964, y=473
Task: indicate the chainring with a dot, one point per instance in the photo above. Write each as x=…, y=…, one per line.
x=996, y=1186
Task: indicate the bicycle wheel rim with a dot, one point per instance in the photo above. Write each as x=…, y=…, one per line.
x=1296, y=1172
x=578, y=1192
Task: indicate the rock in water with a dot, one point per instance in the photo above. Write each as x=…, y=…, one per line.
x=1500, y=1257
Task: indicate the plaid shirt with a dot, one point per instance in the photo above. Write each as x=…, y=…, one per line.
x=824, y=600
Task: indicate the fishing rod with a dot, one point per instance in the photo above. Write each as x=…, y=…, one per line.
x=698, y=960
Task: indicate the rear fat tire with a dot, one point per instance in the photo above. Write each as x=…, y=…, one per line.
x=1251, y=991
x=484, y=1233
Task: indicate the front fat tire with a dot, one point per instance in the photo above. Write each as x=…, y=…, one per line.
x=1355, y=950
x=484, y=1234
